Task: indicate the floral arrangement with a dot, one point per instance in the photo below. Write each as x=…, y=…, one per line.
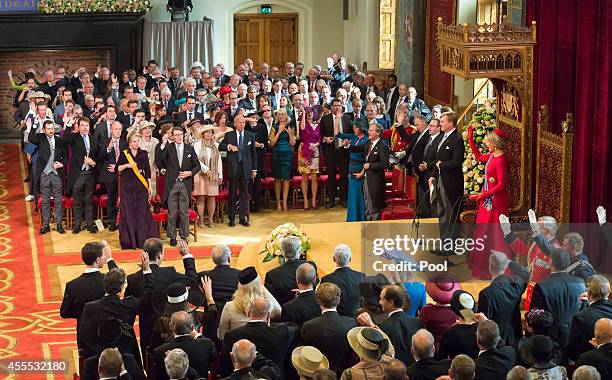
x=93, y=6
x=483, y=121
x=272, y=247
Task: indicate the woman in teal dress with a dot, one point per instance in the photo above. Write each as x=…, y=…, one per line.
x=355, y=205
x=282, y=140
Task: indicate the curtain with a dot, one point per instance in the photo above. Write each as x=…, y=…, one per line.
x=179, y=44
x=572, y=74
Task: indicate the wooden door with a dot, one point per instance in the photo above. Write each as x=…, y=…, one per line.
x=265, y=38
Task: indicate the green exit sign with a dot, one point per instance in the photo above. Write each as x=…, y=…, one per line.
x=265, y=9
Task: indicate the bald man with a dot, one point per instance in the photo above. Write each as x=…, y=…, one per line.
x=224, y=278
x=425, y=366
x=241, y=164
x=601, y=356
x=249, y=365
x=272, y=341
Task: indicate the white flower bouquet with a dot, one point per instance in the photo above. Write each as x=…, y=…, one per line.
x=272, y=246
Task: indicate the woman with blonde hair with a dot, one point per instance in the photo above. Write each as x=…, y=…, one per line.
x=235, y=312
x=148, y=143
x=207, y=181
x=282, y=140
x=136, y=224
x=492, y=201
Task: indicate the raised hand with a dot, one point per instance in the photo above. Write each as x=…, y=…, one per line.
x=183, y=247
x=144, y=261
x=533, y=221
x=601, y=214
x=207, y=288
x=504, y=223
x=106, y=251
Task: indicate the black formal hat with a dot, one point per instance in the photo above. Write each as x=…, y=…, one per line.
x=462, y=300
x=176, y=295
x=100, y=333
x=247, y=275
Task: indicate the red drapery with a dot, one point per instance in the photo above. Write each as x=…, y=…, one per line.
x=572, y=74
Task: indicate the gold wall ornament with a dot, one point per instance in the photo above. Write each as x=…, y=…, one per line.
x=554, y=159
x=503, y=53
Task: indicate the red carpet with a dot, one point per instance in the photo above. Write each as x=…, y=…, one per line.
x=30, y=325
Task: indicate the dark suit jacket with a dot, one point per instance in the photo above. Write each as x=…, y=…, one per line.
x=327, y=129
x=393, y=102
x=162, y=275
x=111, y=306
x=606, y=230
x=600, y=358
x=495, y=363
x=106, y=158
x=76, y=142
x=501, y=302
x=430, y=156
x=224, y=283
x=301, y=309
x=400, y=328
x=246, y=104
x=174, y=84
x=416, y=150
x=182, y=116
x=281, y=280
x=378, y=160
x=273, y=341
x=200, y=351
x=559, y=294
x=428, y=369
x=90, y=368
x=168, y=159
x=261, y=136
x=249, y=155
x=583, y=326
x=451, y=154
x=348, y=281
x=83, y=289
x=418, y=105
x=44, y=152
x=328, y=334
x=262, y=368
x=230, y=116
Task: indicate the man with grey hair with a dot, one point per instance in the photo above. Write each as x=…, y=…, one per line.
x=347, y=280
x=223, y=277
x=425, y=366
x=501, y=300
x=376, y=154
x=280, y=281
x=304, y=306
x=462, y=368
x=200, y=350
x=583, y=322
x=544, y=232
x=176, y=363
x=518, y=373
x=110, y=365
x=601, y=356
x=272, y=341
x=249, y=365
x=493, y=362
x=579, y=262
x=586, y=372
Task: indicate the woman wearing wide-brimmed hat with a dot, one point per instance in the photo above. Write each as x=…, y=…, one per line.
x=370, y=344
x=207, y=181
x=307, y=360
x=439, y=317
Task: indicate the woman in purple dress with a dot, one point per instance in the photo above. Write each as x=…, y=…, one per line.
x=136, y=224
x=308, y=153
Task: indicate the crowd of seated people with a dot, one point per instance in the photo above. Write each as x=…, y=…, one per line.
x=233, y=324
x=186, y=144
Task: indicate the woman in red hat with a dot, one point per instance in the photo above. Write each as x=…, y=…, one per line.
x=492, y=201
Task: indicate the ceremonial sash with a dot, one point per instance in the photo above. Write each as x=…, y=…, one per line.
x=135, y=169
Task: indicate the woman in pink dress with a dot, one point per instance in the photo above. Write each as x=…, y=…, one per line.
x=492, y=201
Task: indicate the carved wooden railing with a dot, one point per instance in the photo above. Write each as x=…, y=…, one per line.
x=484, y=51
x=554, y=168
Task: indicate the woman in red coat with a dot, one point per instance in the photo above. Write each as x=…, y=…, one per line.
x=492, y=202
